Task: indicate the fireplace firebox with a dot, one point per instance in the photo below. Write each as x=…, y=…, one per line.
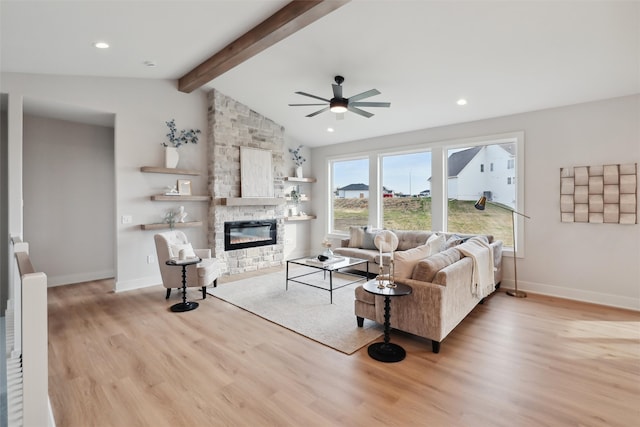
x=249, y=234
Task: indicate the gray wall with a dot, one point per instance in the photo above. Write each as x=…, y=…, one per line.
x=69, y=199
x=599, y=263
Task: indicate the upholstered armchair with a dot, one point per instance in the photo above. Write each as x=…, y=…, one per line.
x=203, y=274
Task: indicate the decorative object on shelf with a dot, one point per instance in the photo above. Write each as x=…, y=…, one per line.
x=293, y=210
x=172, y=190
x=184, y=187
x=295, y=195
x=181, y=215
x=480, y=204
x=298, y=160
x=170, y=218
x=176, y=140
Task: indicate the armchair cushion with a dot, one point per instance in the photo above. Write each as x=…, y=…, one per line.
x=174, y=250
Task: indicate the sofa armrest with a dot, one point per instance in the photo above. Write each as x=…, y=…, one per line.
x=203, y=253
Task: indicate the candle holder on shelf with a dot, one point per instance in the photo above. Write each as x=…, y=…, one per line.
x=391, y=283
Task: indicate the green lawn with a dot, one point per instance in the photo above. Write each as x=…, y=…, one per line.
x=414, y=213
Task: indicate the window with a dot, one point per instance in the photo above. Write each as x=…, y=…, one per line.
x=350, y=194
x=465, y=186
x=406, y=191
x=491, y=167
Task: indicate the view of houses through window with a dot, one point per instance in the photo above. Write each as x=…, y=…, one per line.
x=405, y=198
x=350, y=194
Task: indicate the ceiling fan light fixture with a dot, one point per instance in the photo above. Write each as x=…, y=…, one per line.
x=338, y=105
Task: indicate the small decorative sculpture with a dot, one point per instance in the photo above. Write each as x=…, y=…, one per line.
x=181, y=215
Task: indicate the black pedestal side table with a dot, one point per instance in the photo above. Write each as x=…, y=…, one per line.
x=184, y=305
x=386, y=351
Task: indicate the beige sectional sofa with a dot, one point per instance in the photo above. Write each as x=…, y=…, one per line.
x=443, y=286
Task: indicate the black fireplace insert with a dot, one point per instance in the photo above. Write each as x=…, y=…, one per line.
x=249, y=234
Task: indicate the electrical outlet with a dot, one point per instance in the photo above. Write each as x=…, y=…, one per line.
x=127, y=219
x=150, y=259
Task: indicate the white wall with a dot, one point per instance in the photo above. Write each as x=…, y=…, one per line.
x=591, y=262
x=69, y=199
x=141, y=107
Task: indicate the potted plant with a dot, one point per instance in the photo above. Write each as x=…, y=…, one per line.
x=297, y=159
x=176, y=140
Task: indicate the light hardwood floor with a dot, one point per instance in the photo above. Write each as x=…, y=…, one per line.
x=125, y=360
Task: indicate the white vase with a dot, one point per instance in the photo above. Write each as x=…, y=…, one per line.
x=299, y=172
x=171, y=157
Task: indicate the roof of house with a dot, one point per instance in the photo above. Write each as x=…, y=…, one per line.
x=354, y=187
x=457, y=161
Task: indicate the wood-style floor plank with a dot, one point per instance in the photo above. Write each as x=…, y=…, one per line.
x=125, y=360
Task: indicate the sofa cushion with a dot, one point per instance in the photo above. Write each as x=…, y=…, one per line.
x=368, y=254
x=356, y=237
x=409, y=239
x=436, y=243
x=426, y=269
x=368, y=238
x=405, y=261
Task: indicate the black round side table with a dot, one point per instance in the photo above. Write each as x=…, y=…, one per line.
x=386, y=351
x=184, y=305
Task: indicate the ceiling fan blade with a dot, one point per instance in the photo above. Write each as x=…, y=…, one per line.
x=363, y=95
x=359, y=111
x=318, y=112
x=312, y=96
x=370, y=104
x=303, y=105
x=337, y=91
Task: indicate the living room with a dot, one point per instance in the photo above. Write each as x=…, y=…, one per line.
x=596, y=263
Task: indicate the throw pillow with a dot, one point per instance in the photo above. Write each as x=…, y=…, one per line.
x=368, y=239
x=174, y=250
x=356, y=237
x=453, y=241
x=436, y=243
x=405, y=261
x=426, y=269
x=386, y=241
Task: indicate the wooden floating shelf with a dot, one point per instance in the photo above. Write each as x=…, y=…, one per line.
x=156, y=169
x=164, y=225
x=184, y=198
x=251, y=201
x=296, y=179
x=300, y=218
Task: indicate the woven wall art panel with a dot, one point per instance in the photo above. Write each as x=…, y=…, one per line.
x=599, y=194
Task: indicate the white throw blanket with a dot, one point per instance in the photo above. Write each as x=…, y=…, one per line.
x=482, y=283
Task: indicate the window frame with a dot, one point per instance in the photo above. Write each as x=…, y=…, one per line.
x=330, y=179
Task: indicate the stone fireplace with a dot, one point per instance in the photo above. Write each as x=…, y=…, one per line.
x=232, y=125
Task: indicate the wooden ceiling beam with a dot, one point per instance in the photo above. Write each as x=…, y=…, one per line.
x=286, y=21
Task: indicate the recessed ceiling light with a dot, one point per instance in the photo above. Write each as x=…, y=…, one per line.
x=150, y=63
x=330, y=129
x=461, y=101
x=101, y=45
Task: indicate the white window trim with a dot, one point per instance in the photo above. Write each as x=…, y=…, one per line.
x=329, y=194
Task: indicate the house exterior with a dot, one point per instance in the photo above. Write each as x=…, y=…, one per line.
x=483, y=171
x=353, y=191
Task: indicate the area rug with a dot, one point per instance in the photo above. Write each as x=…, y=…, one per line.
x=304, y=309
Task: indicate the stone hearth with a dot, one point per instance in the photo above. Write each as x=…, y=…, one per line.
x=233, y=125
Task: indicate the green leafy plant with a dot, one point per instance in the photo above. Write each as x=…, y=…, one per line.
x=296, y=156
x=177, y=139
x=170, y=218
x=295, y=196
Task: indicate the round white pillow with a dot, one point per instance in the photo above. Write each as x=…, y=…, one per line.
x=386, y=241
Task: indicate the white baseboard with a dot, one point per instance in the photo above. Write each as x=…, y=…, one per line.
x=629, y=303
x=143, y=282
x=68, y=279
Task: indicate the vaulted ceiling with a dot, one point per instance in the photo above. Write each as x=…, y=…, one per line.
x=503, y=57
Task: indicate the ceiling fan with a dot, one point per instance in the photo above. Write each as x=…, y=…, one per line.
x=339, y=105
